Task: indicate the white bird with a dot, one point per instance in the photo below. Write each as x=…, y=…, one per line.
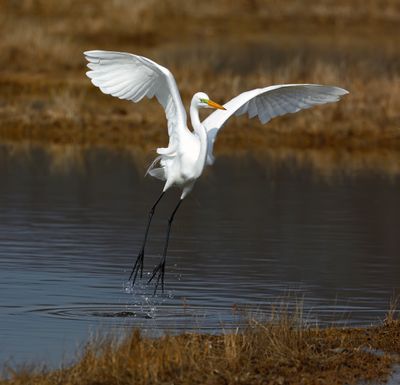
x=133, y=77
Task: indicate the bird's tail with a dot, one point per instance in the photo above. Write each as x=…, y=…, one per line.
x=159, y=172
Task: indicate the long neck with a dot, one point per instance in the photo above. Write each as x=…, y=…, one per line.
x=202, y=135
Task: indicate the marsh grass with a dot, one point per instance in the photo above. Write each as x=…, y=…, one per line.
x=223, y=49
x=282, y=350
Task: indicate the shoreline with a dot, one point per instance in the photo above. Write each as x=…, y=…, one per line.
x=283, y=350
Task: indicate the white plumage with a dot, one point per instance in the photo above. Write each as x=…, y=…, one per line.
x=269, y=102
x=133, y=77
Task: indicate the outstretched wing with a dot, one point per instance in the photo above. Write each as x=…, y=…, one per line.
x=133, y=77
x=266, y=103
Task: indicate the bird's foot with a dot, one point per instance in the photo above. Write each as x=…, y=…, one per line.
x=158, y=271
x=138, y=266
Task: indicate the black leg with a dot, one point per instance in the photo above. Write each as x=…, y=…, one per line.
x=160, y=268
x=138, y=266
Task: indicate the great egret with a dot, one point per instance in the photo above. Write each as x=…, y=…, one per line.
x=133, y=77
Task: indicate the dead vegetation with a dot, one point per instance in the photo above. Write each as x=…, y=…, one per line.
x=281, y=351
x=222, y=49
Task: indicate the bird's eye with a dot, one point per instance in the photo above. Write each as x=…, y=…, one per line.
x=204, y=101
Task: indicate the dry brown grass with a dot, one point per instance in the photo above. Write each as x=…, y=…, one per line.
x=281, y=351
x=222, y=49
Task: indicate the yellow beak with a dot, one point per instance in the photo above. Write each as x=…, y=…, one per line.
x=215, y=105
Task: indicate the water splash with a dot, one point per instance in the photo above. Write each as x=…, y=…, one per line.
x=144, y=301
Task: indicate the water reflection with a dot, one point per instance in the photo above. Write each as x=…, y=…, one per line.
x=62, y=158
x=254, y=233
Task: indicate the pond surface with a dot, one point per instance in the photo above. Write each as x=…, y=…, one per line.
x=251, y=236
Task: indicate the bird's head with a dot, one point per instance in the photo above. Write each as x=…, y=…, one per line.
x=201, y=100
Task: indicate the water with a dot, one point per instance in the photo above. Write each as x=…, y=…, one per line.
x=252, y=234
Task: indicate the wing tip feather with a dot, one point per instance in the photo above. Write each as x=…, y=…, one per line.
x=339, y=91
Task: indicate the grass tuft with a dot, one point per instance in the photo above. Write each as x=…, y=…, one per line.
x=283, y=350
